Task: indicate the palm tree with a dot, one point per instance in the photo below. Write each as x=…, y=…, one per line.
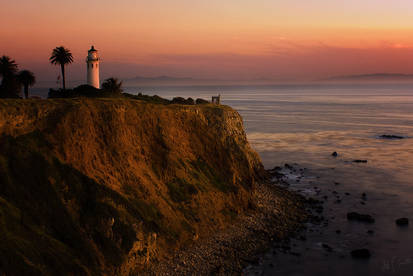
x=61, y=56
x=8, y=68
x=26, y=78
x=112, y=85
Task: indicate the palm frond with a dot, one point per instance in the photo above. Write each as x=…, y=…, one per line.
x=61, y=56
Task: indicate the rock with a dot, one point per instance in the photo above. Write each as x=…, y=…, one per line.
x=361, y=253
x=313, y=201
x=370, y=232
x=386, y=136
x=402, y=221
x=286, y=247
x=359, y=161
x=319, y=209
x=360, y=217
x=335, y=154
x=288, y=166
x=327, y=247
x=338, y=231
x=364, y=196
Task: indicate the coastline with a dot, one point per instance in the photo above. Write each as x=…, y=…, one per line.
x=278, y=214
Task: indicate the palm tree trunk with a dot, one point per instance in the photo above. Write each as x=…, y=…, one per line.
x=63, y=77
x=26, y=91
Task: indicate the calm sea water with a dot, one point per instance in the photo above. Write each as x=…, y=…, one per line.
x=304, y=125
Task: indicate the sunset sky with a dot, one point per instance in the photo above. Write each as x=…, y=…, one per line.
x=232, y=39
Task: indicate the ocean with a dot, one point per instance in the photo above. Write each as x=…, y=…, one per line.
x=303, y=125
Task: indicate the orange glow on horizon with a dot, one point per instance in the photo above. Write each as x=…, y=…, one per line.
x=267, y=38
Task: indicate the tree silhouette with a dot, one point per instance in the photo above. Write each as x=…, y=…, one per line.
x=9, y=86
x=26, y=78
x=61, y=56
x=112, y=85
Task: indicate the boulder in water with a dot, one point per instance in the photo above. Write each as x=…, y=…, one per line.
x=361, y=253
x=402, y=221
x=387, y=136
x=360, y=217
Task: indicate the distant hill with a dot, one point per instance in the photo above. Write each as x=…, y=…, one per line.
x=165, y=80
x=159, y=78
x=372, y=77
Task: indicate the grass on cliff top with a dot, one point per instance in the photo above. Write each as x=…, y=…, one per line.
x=19, y=103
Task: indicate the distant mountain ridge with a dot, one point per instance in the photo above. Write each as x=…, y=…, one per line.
x=376, y=76
x=161, y=78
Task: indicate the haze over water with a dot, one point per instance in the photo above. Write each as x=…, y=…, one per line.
x=304, y=125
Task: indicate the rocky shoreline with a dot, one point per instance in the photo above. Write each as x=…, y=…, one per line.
x=277, y=215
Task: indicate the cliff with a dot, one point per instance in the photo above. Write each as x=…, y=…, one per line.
x=110, y=186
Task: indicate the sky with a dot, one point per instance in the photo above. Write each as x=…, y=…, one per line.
x=233, y=39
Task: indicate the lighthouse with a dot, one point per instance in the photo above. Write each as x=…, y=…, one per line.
x=92, y=62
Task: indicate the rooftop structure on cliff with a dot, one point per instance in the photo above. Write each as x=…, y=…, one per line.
x=216, y=99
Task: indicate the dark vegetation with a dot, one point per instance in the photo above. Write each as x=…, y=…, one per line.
x=180, y=190
x=214, y=178
x=12, y=80
x=180, y=100
x=159, y=100
x=26, y=78
x=92, y=92
x=61, y=56
x=112, y=85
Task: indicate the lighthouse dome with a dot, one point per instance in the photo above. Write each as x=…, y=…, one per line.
x=92, y=54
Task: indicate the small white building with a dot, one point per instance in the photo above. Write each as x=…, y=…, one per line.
x=92, y=62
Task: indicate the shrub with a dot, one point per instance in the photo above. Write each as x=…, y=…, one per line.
x=152, y=99
x=180, y=100
x=201, y=101
x=83, y=90
x=180, y=190
x=190, y=101
x=112, y=85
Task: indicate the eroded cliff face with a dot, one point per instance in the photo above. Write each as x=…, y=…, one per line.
x=104, y=186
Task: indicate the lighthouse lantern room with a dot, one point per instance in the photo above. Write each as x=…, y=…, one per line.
x=92, y=62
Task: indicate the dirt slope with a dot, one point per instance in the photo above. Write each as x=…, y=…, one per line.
x=108, y=186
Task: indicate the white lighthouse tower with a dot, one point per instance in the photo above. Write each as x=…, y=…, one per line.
x=92, y=62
